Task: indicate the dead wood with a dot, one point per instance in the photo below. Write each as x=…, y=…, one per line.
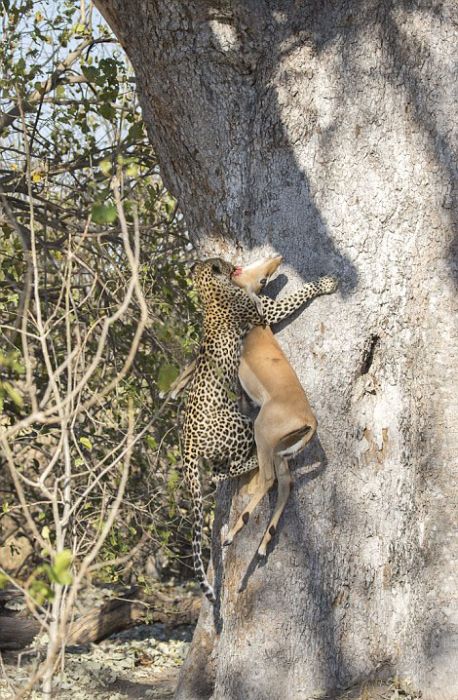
x=112, y=616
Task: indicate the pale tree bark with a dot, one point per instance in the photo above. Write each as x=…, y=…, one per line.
x=325, y=130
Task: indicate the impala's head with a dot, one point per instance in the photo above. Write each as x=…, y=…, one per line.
x=254, y=277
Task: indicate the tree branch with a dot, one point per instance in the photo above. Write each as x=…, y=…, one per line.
x=7, y=118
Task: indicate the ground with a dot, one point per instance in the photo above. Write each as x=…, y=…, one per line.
x=140, y=663
x=143, y=662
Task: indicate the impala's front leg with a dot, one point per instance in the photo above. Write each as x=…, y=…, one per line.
x=275, y=311
x=183, y=380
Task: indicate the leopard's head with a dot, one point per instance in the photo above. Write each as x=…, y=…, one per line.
x=221, y=299
x=212, y=278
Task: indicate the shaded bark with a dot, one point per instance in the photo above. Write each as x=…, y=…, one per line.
x=326, y=131
x=99, y=623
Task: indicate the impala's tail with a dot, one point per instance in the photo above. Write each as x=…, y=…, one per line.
x=191, y=471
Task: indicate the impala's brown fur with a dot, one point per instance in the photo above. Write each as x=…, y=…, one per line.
x=285, y=422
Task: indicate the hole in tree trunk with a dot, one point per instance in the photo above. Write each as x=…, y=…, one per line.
x=369, y=352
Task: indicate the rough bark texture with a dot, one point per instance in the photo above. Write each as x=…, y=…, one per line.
x=325, y=130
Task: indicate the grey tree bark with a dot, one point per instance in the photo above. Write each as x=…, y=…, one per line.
x=326, y=130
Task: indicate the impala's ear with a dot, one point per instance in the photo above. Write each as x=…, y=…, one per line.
x=273, y=264
x=258, y=303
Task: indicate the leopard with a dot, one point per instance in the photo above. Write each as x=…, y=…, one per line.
x=215, y=431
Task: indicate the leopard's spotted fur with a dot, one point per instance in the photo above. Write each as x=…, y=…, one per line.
x=214, y=428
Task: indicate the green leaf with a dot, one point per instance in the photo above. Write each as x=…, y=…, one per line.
x=167, y=375
x=20, y=66
x=172, y=456
x=135, y=132
x=151, y=442
x=132, y=170
x=105, y=167
x=17, y=366
x=91, y=73
x=4, y=580
x=13, y=393
x=173, y=481
x=104, y=213
x=62, y=560
x=40, y=591
x=169, y=204
x=60, y=570
x=86, y=443
x=107, y=111
x=231, y=395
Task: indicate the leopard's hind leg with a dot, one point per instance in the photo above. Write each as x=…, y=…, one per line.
x=234, y=469
x=228, y=446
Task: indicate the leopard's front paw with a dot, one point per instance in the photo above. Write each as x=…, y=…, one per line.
x=329, y=284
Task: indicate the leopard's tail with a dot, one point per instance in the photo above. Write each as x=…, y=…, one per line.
x=191, y=470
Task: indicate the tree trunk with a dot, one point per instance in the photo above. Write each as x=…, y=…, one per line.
x=325, y=131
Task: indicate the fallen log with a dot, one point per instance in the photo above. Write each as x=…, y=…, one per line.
x=114, y=615
x=17, y=633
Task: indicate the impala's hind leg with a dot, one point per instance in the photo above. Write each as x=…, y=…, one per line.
x=265, y=481
x=284, y=489
x=263, y=487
